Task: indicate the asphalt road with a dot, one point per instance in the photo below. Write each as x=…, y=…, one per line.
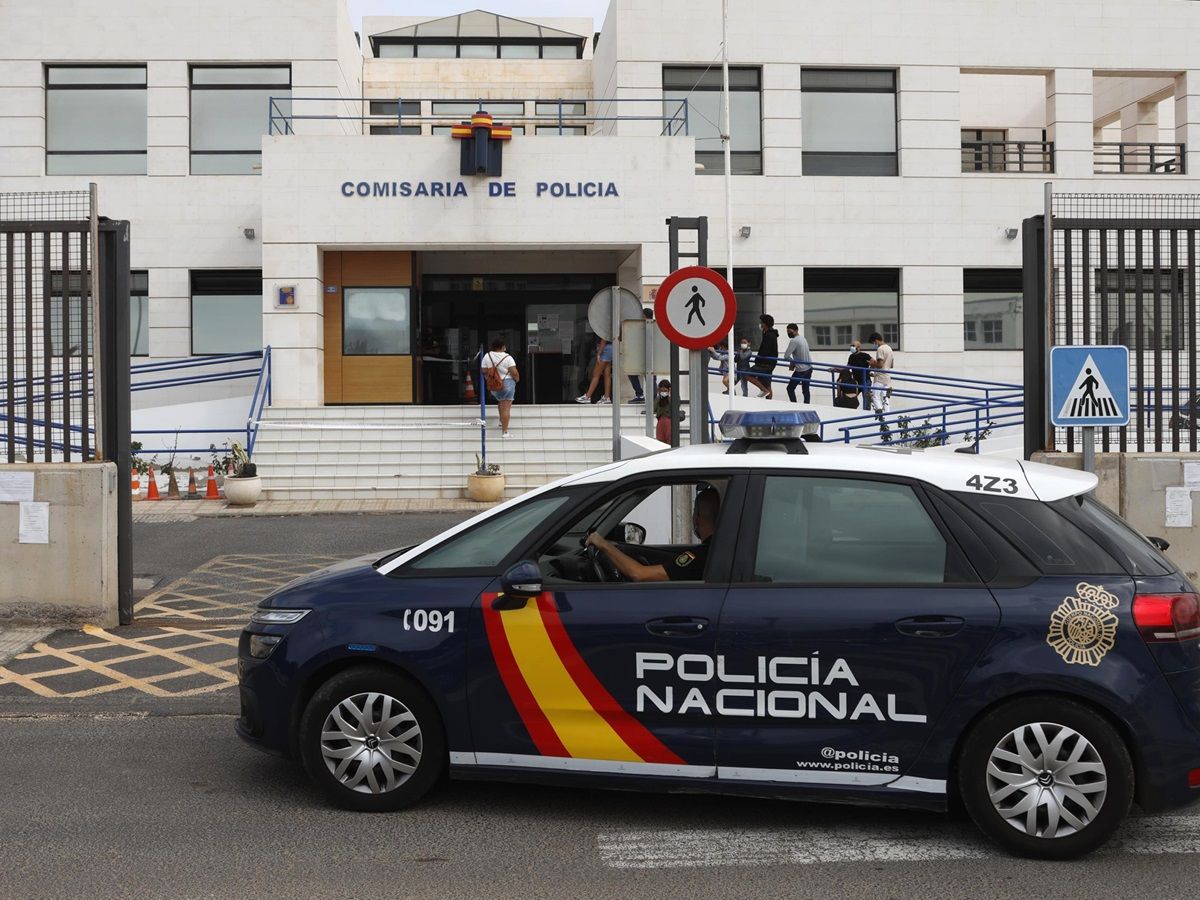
x=111, y=797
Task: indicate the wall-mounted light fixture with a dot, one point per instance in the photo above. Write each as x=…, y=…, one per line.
x=1011, y=233
x=744, y=231
x=248, y=233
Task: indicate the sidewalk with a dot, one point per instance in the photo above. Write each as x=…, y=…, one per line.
x=186, y=510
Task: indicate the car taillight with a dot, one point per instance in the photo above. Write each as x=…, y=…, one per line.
x=1167, y=617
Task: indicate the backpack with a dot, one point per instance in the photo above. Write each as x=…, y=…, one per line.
x=491, y=376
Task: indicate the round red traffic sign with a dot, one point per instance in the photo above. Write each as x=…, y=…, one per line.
x=695, y=307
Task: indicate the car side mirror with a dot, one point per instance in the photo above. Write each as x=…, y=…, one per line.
x=520, y=584
x=1161, y=543
x=634, y=533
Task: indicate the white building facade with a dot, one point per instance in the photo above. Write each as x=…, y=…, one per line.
x=293, y=184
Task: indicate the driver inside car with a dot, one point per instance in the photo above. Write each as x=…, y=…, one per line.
x=688, y=565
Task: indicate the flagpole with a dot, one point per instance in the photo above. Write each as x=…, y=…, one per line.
x=726, y=143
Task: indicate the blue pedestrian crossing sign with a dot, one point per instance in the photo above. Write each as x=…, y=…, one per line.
x=1089, y=386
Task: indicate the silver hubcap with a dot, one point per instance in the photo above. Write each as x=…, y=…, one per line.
x=1046, y=780
x=371, y=743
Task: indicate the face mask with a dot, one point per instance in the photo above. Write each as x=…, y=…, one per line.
x=664, y=394
x=853, y=349
x=745, y=346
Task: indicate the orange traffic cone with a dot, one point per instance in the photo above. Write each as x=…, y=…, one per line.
x=193, y=493
x=210, y=490
x=135, y=485
x=152, y=486
x=469, y=390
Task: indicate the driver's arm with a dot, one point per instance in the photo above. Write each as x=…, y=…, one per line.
x=625, y=564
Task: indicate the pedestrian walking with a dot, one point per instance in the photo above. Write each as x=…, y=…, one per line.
x=767, y=357
x=860, y=370
x=741, y=365
x=799, y=360
x=500, y=377
x=884, y=362
x=662, y=412
x=602, y=370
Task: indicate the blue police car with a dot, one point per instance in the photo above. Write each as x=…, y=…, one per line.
x=769, y=617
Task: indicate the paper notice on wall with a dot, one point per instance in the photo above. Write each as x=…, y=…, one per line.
x=1191, y=475
x=1179, y=507
x=34, y=527
x=16, y=486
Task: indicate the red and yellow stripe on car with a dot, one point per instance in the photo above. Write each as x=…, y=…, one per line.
x=564, y=707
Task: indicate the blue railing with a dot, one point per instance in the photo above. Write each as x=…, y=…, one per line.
x=559, y=113
x=950, y=407
x=260, y=398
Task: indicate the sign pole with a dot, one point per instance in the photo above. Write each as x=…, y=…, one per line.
x=615, y=395
x=649, y=388
x=1089, y=449
x=727, y=143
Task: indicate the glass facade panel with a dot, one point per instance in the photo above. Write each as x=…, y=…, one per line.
x=396, y=51
x=705, y=115
x=849, y=122
x=568, y=108
x=860, y=300
x=478, y=23
x=478, y=51
x=518, y=51
x=376, y=321
x=565, y=131
x=437, y=51
x=992, y=309
x=99, y=129
x=226, y=311
x=230, y=109
x=466, y=108
x=559, y=51
x=139, y=314
x=748, y=288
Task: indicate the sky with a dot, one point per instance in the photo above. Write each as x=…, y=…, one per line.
x=516, y=8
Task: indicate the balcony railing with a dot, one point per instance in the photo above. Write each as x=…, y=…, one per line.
x=398, y=115
x=1008, y=156
x=1124, y=158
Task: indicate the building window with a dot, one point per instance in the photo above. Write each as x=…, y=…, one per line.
x=576, y=130
x=848, y=118
x=139, y=314
x=376, y=321
x=226, y=311
x=390, y=113
x=821, y=336
x=1121, y=292
x=465, y=109
x=748, y=288
x=992, y=302
x=477, y=35
x=701, y=88
x=855, y=302
x=95, y=120
x=230, y=110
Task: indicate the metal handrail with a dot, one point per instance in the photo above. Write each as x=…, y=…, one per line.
x=280, y=122
x=1003, y=156
x=258, y=400
x=1139, y=158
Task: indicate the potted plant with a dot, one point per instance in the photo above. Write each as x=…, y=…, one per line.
x=486, y=483
x=244, y=486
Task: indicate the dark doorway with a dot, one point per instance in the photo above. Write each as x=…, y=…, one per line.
x=542, y=318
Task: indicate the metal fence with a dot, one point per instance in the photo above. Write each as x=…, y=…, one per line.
x=1126, y=272
x=47, y=319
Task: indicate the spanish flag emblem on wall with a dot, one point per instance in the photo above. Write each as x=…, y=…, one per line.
x=482, y=147
x=564, y=707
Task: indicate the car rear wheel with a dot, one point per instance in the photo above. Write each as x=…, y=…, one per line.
x=371, y=740
x=1046, y=778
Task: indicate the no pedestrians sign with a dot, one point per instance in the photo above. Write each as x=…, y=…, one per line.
x=695, y=307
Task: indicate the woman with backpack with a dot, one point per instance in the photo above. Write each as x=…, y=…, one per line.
x=500, y=377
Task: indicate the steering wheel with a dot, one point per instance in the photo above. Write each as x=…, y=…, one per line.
x=602, y=566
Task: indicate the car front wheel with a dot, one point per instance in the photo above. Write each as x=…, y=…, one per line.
x=1046, y=778
x=371, y=740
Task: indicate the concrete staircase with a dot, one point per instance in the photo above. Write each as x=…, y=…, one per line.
x=425, y=452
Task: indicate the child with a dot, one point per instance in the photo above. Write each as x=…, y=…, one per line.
x=662, y=412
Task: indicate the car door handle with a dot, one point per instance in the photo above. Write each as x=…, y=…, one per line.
x=677, y=626
x=930, y=626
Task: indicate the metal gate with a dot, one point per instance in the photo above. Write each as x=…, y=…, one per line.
x=1122, y=270
x=64, y=343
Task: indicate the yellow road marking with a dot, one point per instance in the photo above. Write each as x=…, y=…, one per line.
x=99, y=668
x=169, y=654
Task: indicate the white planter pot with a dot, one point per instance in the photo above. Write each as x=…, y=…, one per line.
x=485, y=488
x=243, y=491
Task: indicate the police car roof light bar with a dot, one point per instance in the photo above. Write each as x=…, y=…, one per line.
x=746, y=427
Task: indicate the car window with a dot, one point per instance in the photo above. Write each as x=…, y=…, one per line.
x=817, y=530
x=489, y=543
x=651, y=523
x=1045, y=537
x=1134, y=552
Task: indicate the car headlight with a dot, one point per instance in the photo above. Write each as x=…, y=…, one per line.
x=278, y=616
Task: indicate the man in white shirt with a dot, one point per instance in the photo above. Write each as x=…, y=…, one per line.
x=499, y=359
x=884, y=361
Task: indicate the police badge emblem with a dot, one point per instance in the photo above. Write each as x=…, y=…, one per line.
x=1084, y=628
x=684, y=558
